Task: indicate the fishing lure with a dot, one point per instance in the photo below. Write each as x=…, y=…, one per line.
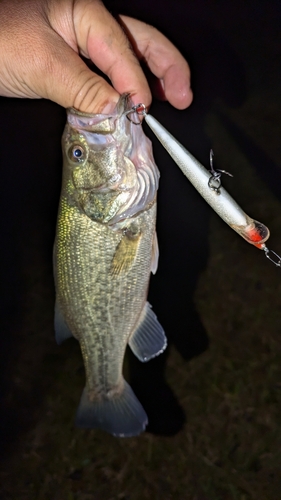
x=208, y=184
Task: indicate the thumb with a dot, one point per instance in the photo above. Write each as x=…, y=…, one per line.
x=37, y=62
x=65, y=78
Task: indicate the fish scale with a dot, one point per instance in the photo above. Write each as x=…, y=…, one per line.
x=92, y=282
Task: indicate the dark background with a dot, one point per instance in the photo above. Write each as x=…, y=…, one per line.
x=233, y=49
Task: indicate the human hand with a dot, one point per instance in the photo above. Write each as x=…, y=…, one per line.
x=41, y=41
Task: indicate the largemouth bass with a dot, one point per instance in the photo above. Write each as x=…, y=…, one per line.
x=105, y=249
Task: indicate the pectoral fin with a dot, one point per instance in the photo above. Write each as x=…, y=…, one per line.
x=149, y=339
x=62, y=331
x=126, y=252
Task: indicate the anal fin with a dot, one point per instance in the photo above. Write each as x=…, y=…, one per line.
x=149, y=339
x=62, y=332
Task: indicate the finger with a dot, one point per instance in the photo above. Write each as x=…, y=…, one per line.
x=101, y=38
x=37, y=61
x=63, y=77
x=164, y=60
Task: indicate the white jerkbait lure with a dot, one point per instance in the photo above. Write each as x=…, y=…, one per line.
x=208, y=184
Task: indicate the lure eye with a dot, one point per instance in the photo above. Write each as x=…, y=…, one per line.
x=77, y=153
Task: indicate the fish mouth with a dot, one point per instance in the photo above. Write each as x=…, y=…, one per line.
x=99, y=122
x=142, y=196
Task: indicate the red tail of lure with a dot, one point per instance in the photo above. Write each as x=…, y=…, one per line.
x=254, y=233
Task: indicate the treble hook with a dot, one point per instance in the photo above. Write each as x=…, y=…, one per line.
x=140, y=109
x=214, y=182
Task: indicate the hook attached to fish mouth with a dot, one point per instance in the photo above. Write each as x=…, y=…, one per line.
x=140, y=109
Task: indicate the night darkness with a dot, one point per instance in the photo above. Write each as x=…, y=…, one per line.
x=213, y=398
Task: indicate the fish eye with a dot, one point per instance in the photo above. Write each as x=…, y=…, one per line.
x=77, y=153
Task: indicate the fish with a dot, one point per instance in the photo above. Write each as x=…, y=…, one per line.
x=254, y=232
x=105, y=250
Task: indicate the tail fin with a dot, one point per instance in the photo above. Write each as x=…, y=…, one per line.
x=121, y=416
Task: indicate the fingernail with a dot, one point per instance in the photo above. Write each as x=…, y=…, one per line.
x=109, y=107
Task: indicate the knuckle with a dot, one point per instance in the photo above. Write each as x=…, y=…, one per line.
x=91, y=95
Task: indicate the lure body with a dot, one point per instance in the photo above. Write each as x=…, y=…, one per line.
x=226, y=207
